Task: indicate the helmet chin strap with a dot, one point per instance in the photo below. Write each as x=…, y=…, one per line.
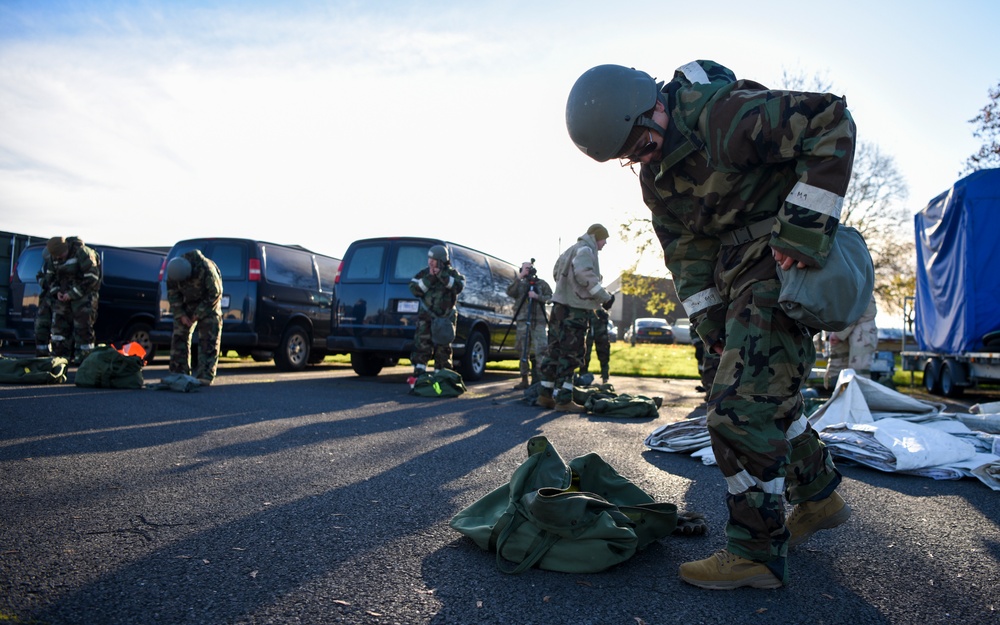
x=647, y=122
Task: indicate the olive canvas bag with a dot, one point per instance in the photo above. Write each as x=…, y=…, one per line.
x=581, y=517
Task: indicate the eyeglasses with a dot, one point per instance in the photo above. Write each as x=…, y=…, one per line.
x=649, y=148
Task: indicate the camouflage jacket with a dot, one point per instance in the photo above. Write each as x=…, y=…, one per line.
x=518, y=290
x=201, y=294
x=79, y=275
x=438, y=294
x=578, y=276
x=737, y=154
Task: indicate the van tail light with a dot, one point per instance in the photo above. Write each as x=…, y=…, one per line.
x=13, y=272
x=163, y=270
x=340, y=268
x=254, y=270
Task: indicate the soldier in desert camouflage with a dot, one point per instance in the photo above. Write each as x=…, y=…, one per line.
x=853, y=347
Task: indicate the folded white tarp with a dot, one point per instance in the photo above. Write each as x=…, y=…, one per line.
x=878, y=427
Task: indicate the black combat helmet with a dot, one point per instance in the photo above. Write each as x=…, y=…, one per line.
x=604, y=105
x=438, y=253
x=178, y=269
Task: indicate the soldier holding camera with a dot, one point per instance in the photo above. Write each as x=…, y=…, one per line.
x=531, y=294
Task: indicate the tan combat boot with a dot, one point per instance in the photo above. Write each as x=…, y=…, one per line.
x=523, y=384
x=545, y=398
x=726, y=571
x=569, y=406
x=811, y=516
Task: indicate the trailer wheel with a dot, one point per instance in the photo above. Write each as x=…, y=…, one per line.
x=932, y=376
x=950, y=376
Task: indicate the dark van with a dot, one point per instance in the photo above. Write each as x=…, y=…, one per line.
x=275, y=299
x=127, y=301
x=374, y=316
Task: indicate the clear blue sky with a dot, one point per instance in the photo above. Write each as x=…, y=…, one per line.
x=319, y=123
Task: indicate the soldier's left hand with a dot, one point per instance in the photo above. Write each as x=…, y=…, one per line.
x=785, y=261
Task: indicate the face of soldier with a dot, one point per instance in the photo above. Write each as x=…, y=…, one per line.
x=434, y=265
x=601, y=244
x=525, y=268
x=649, y=147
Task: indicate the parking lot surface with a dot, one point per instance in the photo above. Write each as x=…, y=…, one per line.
x=323, y=497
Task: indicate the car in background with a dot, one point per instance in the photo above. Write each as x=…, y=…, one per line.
x=682, y=331
x=612, y=332
x=891, y=339
x=650, y=330
x=126, y=304
x=375, y=315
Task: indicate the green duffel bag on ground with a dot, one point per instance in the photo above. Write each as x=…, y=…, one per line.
x=106, y=367
x=549, y=516
x=440, y=383
x=50, y=370
x=625, y=406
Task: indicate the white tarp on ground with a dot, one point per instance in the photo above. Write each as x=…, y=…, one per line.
x=873, y=425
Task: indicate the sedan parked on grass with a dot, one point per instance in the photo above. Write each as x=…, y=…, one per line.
x=682, y=331
x=650, y=330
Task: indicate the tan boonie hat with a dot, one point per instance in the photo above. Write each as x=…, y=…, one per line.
x=600, y=232
x=57, y=246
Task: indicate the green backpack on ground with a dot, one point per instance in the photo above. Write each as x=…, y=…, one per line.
x=106, y=367
x=440, y=383
x=50, y=370
x=549, y=515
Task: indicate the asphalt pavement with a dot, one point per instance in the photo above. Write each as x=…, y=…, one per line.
x=323, y=497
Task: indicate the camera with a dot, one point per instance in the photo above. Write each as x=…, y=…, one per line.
x=532, y=276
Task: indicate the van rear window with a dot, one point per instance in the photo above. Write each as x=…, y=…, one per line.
x=29, y=264
x=410, y=259
x=231, y=259
x=289, y=267
x=365, y=264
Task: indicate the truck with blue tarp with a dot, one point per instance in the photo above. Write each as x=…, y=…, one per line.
x=956, y=308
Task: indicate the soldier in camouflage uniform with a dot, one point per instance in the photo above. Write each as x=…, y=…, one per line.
x=74, y=280
x=531, y=293
x=194, y=291
x=43, y=317
x=739, y=179
x=578, y=292
x=598, y=336
x=853, y=347
x=437, y=287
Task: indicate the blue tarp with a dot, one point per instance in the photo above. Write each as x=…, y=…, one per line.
x=958, y=266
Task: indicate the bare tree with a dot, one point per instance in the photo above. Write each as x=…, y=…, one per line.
x=988, y=129
x=874, y=205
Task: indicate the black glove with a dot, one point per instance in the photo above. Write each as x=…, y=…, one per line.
x=690, y=524
x=608, y=304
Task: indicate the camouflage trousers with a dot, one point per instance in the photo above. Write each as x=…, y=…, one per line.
x=73, y=327
x=767, y=450
x=537, y=344
x=424, y=347
x=43, y=325
x=855, y=351
x=708, y=365
x=598, y=336
x=209, y=329
x=567, y=339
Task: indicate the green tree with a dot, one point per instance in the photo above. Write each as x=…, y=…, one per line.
x=987, y=124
